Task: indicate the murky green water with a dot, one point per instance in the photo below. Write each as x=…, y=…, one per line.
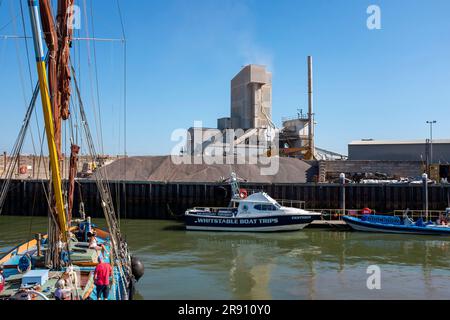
x=310, y=264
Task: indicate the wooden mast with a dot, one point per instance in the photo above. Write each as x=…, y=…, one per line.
x=58, y=37
x=48, y=117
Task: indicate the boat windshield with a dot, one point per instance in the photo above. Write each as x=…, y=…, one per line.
x=265, y=207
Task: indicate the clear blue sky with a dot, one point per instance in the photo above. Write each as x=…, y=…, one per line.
x=381, y=84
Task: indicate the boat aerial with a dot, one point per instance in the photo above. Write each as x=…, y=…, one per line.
x=394, y=224
x=62, y=263
x=256, y=212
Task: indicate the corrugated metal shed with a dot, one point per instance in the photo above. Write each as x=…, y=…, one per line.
x=399, y=150
x=396, y=142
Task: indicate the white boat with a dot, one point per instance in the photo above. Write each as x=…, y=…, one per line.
x=249, y=213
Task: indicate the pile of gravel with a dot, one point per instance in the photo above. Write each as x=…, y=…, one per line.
x=163, y=169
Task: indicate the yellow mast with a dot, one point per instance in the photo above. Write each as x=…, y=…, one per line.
x=48, y=117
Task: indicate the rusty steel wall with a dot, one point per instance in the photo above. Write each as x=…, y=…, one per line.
x=152, y=200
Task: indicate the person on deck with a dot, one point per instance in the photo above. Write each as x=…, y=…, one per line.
x=93, y=243
x=102, y=273
x=62, y=293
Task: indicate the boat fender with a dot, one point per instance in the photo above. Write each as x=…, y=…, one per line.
x=137, y=268
x=243, y=193
x=24, y=264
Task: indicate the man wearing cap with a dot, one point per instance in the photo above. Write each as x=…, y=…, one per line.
x=102, y=273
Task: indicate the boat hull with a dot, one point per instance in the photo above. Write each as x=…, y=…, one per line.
x=248, y=224
x=367, y=226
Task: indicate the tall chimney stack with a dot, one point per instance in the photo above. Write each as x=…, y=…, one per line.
x=311, y=151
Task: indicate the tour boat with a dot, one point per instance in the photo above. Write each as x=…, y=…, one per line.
x=256, y=212
x=393, y=224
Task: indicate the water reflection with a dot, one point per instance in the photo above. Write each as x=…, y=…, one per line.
x=310, y=264
x=257, y=265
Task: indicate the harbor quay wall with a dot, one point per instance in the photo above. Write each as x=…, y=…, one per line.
x=160, y=200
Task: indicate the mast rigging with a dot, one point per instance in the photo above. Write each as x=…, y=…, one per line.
x=48, y=118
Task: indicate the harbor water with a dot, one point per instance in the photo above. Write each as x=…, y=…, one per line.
x=308, y=264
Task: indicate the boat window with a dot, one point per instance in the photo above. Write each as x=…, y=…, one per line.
x=265, y=207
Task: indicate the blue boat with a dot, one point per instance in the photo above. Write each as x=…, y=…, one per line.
x=393, y=224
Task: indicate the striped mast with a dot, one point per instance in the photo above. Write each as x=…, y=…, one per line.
x=48, y=117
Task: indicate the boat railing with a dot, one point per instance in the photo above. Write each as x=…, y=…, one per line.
x=416, y=214
x=331, y=214
x=337, y=214
x=252, y=191
x=212, y=209
x=291, y=203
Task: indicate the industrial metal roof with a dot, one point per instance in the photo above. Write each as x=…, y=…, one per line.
x=389, y=142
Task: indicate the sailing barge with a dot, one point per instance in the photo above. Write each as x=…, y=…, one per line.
x=63, y=259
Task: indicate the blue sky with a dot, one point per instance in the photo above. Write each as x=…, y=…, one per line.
x=182, y=54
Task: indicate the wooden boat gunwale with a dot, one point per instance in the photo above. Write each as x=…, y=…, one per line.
x=21, y=248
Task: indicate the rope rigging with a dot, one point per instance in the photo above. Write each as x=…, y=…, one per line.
x=21, y=76
x=17, y=148
x=96, y=82
x=124, y=102
x=96, y=112
x=118, y=246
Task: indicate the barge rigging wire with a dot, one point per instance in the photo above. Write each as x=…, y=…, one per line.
x=119, y=9
x=91, y=81
x=96, y=83
x=17, y=148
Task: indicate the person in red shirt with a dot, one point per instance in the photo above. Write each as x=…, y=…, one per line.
x=2, y=280
x=102, y=273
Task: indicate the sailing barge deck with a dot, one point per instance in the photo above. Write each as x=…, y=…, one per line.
x=62, y=261
x=84, y=260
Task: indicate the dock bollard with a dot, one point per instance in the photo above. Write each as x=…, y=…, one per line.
x=342, y=181
x=425, y=194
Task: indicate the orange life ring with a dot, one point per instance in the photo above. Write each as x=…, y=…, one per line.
x=366, y=211
x=243, y=193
